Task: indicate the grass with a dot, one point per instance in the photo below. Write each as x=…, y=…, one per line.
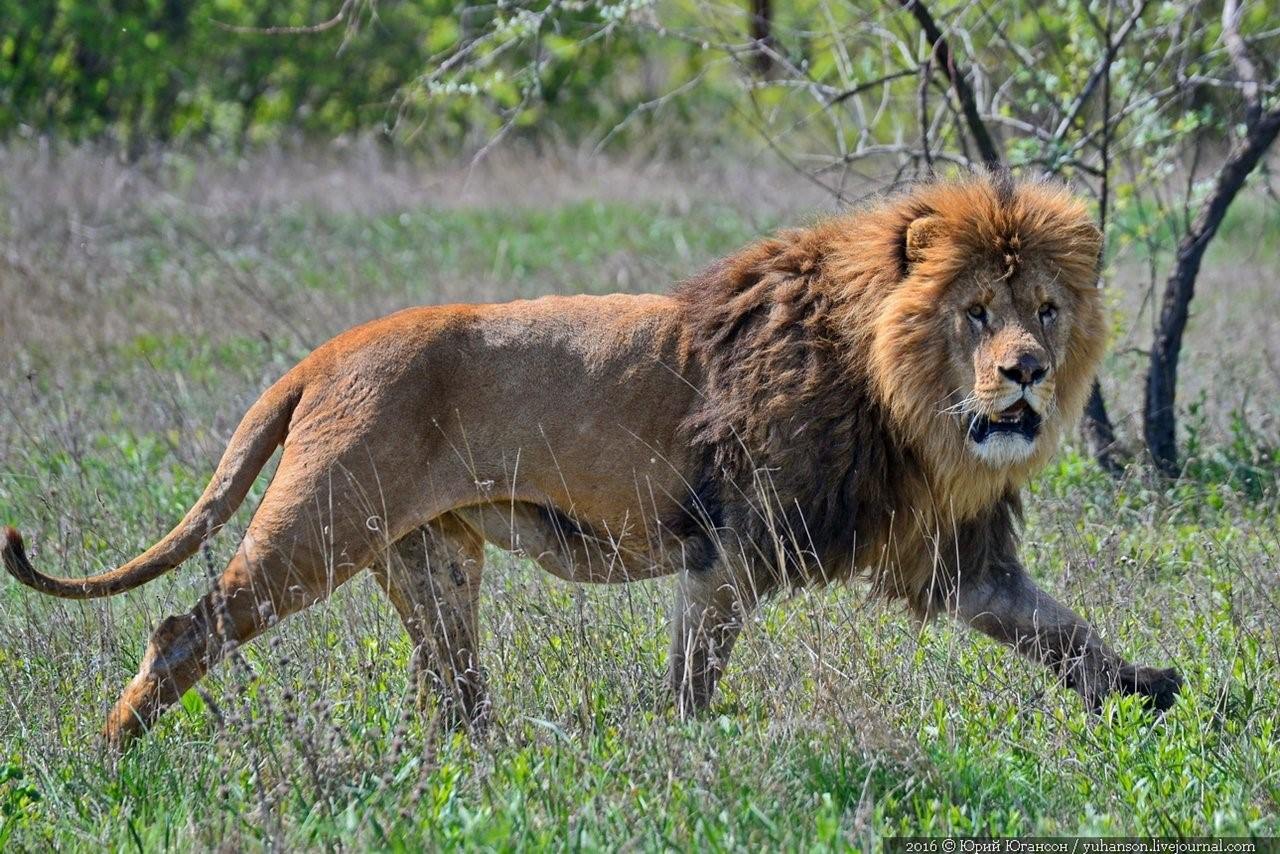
x=141, y=324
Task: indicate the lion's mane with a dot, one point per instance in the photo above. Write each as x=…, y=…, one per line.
x=820, y=354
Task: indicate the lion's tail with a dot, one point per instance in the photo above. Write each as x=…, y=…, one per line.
x=260, y=432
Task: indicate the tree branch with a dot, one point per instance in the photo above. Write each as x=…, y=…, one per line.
x=1100, y=71
x=1095, y=427
x=946, y=60
x=343, y=12
x=925, y=73
x=869, y=84
x=1239, y=54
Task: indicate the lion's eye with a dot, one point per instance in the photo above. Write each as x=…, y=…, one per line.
x=978, y=312
x=1048, y=312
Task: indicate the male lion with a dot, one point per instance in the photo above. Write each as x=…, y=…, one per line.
x=862, y=397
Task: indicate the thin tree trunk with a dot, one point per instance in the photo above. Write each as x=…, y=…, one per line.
x=762, y=34
x=1160, y=423
x=1099, y=435
x=1095, y=427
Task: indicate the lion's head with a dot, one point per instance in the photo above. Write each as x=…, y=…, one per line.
x=921, y=355
x=986, y=346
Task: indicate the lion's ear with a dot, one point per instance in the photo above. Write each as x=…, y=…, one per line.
x=921, y=234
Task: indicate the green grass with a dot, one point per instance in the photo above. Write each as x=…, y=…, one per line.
x=894, y=734
x=839, y=722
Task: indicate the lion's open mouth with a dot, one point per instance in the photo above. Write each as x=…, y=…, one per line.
x=1018, y=420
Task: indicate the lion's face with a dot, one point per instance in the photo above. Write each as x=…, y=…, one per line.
x=1006, y=333
x=985, y=350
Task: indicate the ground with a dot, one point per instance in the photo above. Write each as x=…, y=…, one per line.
x=142, y=312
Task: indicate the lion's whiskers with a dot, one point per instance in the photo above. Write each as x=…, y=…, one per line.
x=969, y=404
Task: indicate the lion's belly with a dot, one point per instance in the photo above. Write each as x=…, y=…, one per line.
x=569, y=549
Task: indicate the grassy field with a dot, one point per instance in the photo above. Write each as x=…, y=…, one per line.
x=142, y=312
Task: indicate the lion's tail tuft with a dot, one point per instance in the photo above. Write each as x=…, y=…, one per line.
x=14, y=555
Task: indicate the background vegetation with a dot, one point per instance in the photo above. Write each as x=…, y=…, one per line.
x=1160, y=109
x=194, y=194
x=239, y=72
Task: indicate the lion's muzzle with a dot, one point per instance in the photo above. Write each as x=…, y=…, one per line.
x=1017, y=421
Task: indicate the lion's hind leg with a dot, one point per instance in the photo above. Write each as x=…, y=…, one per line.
x=294, y=554
x=249, y=597
x=432, y=576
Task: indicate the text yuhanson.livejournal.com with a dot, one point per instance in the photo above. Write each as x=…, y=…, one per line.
x=1082, y=845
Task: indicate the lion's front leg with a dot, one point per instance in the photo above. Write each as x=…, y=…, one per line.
x=711, y=607
x=1007, y=605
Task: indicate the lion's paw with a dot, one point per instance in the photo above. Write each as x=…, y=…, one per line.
x=1158, y=687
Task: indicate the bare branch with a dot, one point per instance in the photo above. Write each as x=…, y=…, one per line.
x=946, y=60
x=869, y=84
x=1239, y=54
x=343, y=13
x=1096, y=427
x=1099, y=71
x=925, y=71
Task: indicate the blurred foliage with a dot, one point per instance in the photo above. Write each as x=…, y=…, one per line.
x=213, y=70
x=166, y=69
x=252, y=71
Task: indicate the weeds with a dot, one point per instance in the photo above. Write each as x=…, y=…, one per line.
x=131, y=353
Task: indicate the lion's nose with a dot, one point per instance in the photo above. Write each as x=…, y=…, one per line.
x=1026, y=371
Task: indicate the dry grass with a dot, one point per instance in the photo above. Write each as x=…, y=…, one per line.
x=144, y=309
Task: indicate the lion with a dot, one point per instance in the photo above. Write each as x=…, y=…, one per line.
x=861, y=398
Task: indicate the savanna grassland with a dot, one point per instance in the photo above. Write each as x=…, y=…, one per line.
x=142, y=309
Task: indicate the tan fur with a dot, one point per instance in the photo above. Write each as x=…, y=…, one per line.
x=786, y=417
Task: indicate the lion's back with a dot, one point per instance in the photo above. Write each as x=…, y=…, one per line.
x=588, y=389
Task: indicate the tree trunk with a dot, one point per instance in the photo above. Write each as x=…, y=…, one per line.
x=1099, y=435
x=1159, y=423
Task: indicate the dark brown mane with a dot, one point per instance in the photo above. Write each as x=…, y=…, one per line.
x=795, y=449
